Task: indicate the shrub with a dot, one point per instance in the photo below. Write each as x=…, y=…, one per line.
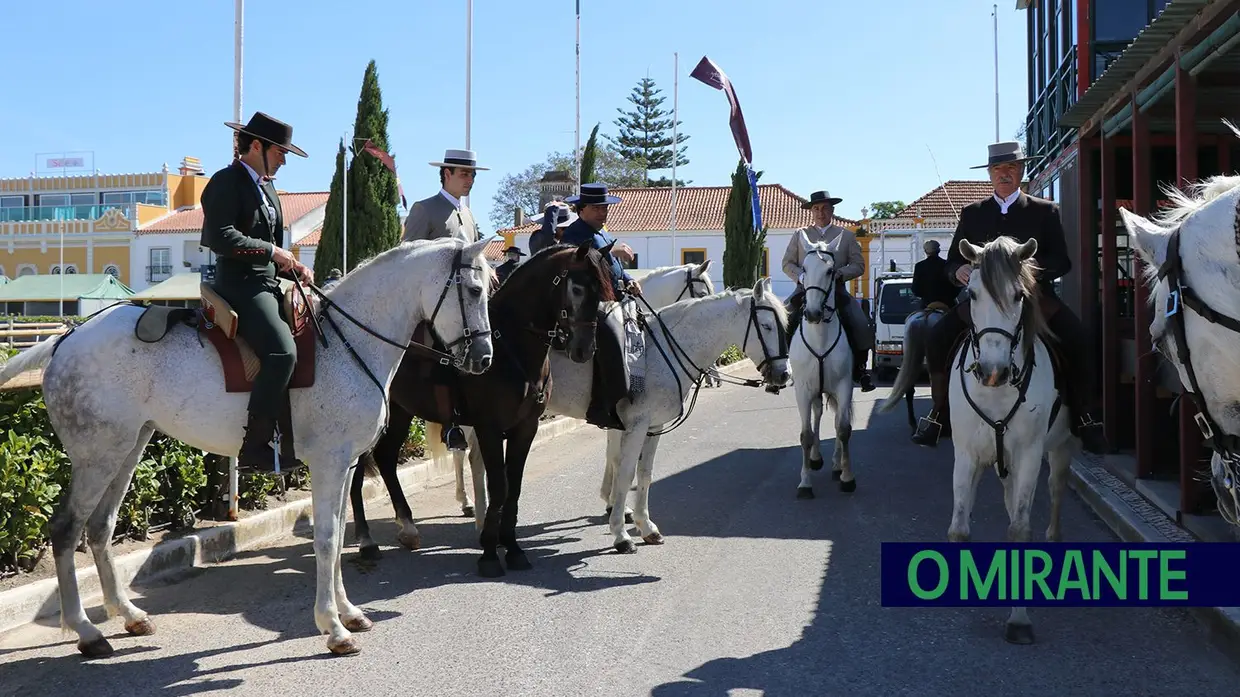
x=731, y=355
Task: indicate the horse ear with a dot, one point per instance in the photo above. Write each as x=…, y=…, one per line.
x=703, y=267
x=1028, y=249
x=607, y=250
x=583, y=250
x=760, y=288
x=1149, y=239
x=969, y=251
x=476, y=249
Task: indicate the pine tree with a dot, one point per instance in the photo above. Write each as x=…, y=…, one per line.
x=588, y=157
x=327, y=255
x=644, y=136
x=743, y=245
x=374, y=224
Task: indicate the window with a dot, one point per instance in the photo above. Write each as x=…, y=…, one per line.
x=82, y=199
x=692, y=256
x=765, y=270
x=113, y=198
x=160, y=266
x=112, y=270
x=12, y=201
x=54, y=199
x=70, y=269
x=27, y=270
x=1119, y=20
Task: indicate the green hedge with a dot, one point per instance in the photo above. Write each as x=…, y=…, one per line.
x=168, y=490
x=731, y=355
x=67, y=319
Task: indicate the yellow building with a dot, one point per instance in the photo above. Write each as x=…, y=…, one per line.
x=97, y=214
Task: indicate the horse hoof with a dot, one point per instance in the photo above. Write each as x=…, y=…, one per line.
x=654, y=538
x=95, y=649
x=347, y=647
x=467, y=511
x=849, y=486
x=370, y=552
x=490, y=568
x=359, y=624
x=410, y=542
x=835, y=474
x=143, y=627
x=1018, y=633
x=517, y=561
x=815, y=463
x=626, y=547
x=804, y=492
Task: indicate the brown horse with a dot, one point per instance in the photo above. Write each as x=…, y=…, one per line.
x=553, y=296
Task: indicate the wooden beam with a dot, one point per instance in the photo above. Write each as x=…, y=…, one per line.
x=1142, y=186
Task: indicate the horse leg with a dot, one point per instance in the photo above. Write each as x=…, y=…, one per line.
x=94, y=472
x=520, y=439
x=1060, y=458
x=462, y=497
x=841, y=459
x=327, y=497
x=478, y=474
x=387, y=457
x=99, y=530
x=631, y=443
x=912, y=415
x=1022, y=483
x=491, y=444
x=809, y=403
x=641, y=512
x=614, y=438
x=352, y=616
x=367, y=547
x=966, y=474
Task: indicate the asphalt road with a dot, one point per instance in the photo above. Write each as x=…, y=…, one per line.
x=754, y=593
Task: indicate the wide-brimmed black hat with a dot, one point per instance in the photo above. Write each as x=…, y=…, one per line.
x=269, y=130
x=820, y=197
x=1006, y=151
x=592, y=194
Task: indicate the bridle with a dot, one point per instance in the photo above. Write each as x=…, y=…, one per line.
x=829, y=310
x=1018, y=378
x=689, y=287
x=1180, y=295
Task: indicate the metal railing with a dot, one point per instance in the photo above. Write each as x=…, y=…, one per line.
x=158, y=273
x=33, y=214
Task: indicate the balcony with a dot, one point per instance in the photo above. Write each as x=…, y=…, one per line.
x=158, y=274
x=30, y=214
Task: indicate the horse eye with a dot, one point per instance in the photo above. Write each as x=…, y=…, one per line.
x=476, y=292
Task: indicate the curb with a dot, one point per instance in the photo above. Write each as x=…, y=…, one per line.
x=1134, y=519
x=161, y=563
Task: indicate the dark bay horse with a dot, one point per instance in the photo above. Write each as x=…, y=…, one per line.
x=553, y=295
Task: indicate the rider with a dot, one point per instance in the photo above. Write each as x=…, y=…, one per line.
x=243, y=224
x=443, y=214
x=554, y=219
x=1009, y=211
x=512, y=257
x=848, y=265
x=592, y=206
x=930, y=281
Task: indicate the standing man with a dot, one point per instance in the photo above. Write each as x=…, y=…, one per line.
x=512, y=257
x=849, y=264
x=443, y=215
x=243, y=224
x=555, y=219
x=930, y=281
x=1010, y=211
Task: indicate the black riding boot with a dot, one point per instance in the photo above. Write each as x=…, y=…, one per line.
x=256, y=453
x=936, y=424
x=1090, y=431
x=861, y=374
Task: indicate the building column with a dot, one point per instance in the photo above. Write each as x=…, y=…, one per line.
x=1141, y=195
x=1111, y=365
x=1087, y=252
x=1192, y=491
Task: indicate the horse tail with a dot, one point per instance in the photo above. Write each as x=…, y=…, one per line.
x=32, y=358
x=434, y=442
x=910, y=363
x=370, y=468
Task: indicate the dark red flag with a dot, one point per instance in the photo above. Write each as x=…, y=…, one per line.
x=388, y=162
x=710, y=74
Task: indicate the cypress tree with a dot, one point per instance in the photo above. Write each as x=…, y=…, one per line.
x=374, y=224
x=327, y=255
x=588, y=157
x=743, y=245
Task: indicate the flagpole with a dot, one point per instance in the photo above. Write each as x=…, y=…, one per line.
x=62, y=269
x=238, y=54
x=344, y=208
x=469, y=68
x=577, y=142
x=995, y=13
x=675, y=114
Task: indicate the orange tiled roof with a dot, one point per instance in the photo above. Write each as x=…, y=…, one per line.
x=697, y=208
x=312, y=239
x=295, y=205
x=939, y=202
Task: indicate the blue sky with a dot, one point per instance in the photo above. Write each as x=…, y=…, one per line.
x=838, y=95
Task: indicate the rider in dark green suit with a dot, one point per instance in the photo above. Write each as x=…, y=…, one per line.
x=244, y=226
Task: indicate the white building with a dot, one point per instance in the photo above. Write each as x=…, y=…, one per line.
x=169, y=245
x=643, y=221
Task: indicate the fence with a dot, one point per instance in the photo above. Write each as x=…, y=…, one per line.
x=23, y=335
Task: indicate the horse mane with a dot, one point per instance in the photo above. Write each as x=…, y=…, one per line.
x=396, y=252
x=522, y=274
x=1001, y=269
x=739, y=295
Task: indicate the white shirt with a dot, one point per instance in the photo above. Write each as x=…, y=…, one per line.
x=262, y=195
x=456, y=203
x=1005, y=203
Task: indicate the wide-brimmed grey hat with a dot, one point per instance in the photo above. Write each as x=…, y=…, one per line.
x=459, y=158
x=564, y=216
x=1006, y=151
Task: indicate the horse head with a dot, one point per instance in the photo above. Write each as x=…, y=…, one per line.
x=568, y=282
x=1003, y=305
x=768, y=320
x=1192, y=269
x=820, y=281
x=669, y=284
x=456, y=305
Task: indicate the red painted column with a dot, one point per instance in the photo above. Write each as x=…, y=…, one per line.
x=1110, y=292
x=1084, y=68
x=1192, y=491
x=1141, y=195
x=1086, y=267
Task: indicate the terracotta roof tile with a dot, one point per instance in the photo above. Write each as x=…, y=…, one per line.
x=697, y=208
x=295, y=205
x=312, y=239
x=946, y=201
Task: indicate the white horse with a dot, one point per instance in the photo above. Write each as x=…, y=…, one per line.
x=107, y=392
x=692, y=333
x=821, y=357
x=1006, y=410
x=1193, y=271
x=662, y=286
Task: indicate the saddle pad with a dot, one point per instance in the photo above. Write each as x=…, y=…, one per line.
x=156, y=320
x=241, y=365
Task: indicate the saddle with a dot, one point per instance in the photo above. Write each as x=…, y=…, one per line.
x=612, y=380
x=240, y=362
x=448, y=405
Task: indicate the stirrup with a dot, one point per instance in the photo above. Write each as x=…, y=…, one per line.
x=923, y=428
x=454, y=438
